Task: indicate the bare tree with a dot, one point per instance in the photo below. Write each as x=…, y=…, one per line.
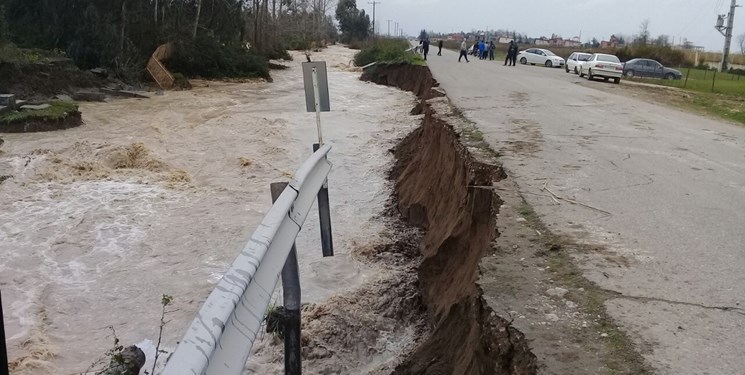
x=643, y=37
x=196, y=21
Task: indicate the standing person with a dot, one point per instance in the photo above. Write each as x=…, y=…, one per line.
x=425, y=48
x=491, y=50
x=463, y=50
x=439, y=45
x=513, y=49
x=508, y=59
x=482, y=47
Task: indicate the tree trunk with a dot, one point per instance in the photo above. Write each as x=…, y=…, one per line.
x=196, y=21
x=124, y=26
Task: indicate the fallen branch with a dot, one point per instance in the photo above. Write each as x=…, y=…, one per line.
x=572, y=201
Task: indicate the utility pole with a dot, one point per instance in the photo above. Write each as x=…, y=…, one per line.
x=396, y=32
x=727, y=32
x=374, y=3
x=389, y=27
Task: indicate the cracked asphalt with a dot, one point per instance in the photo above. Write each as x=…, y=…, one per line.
x=672, y=243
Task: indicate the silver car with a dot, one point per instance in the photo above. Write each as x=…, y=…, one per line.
x=575, y=60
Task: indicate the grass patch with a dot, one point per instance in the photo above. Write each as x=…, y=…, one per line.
x=57, y=111
x=386, y=50
x=13, y=54
x=728, y=107
x=705, y=81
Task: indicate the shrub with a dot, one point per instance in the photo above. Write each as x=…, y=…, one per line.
x=384, y=50
x=206, y=57
x=666, y=55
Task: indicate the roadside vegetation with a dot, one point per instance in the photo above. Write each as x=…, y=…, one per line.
x=57, y=110
x=229, y=38
x=388, y=50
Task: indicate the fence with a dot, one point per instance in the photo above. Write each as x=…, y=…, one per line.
x=220, y=338
x=703, y=80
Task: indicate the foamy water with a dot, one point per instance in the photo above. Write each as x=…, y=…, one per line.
x=85, y=245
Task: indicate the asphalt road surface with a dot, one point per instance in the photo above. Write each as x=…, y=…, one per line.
x=672, y=242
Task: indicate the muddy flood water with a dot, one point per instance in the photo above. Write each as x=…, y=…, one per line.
x=157, y=196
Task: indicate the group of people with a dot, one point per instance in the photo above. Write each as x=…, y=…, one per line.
x=484, y=51
x=480, y=48
x=424, y=45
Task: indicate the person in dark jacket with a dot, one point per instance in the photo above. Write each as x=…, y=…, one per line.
x=425, y=48
x=513, y=49
x=508, y=59
x=439, y=45
x=491, y=50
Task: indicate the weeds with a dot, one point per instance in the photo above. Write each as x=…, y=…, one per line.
x=57, y=110
x=165, y=301
x=389, y=51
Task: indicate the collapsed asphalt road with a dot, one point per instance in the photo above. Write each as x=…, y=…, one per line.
x=660, y=193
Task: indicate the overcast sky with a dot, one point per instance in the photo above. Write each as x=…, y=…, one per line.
x=692, y=19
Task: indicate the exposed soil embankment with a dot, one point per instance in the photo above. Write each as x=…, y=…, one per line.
x=71, y=120
x=440, y=188
x=44, y=80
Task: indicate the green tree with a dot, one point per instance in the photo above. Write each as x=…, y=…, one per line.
x=423, y=35
x=354, y=24
x=594, y=43
x=4, y=34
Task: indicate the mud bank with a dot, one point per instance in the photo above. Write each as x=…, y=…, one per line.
x=442, y=186
x=72, y=120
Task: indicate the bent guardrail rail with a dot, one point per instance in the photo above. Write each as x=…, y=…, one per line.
x=220, y=338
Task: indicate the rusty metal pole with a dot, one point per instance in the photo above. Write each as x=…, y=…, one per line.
x=291, y=301
x=324, y=216
x=3, y=348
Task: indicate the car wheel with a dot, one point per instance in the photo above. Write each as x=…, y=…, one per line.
x=580, y=73
x=589, y=75
x=669, y=76
x=616, y=80
x=523, y=61
x=605, y=79
x=575, y=70
x=548, y=64
x=629, y=73
x=566, y=69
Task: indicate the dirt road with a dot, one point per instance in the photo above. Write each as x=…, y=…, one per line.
x=662, y=196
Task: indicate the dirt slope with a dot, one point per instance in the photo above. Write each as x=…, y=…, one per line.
x=440, y=187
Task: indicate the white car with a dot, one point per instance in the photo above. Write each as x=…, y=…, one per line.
x=541, y=56
x=602, y=65
x=575, y=60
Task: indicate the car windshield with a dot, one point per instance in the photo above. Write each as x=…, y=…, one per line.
x=583, y=57
x=608, y=58
x=548, y=53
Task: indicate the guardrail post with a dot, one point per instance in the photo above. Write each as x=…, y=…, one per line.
x=324, y=216
x=291, y=301
x=3, y=349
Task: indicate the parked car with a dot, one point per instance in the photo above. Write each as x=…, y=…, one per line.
x=575, y=60
x=602, y=65
x=541, y=56
x=649, y=68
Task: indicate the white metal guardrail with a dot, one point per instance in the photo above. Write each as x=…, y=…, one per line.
x=220, y=338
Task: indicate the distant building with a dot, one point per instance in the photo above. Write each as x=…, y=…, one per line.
x=612, y=43
x=504, y=40
x=542, y=41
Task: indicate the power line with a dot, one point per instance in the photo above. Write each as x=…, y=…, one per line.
x=374, y=3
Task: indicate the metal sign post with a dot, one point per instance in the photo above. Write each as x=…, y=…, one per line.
x=317, y=105
x=317, y=100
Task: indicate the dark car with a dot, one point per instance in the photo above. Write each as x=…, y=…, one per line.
x=649, y=68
